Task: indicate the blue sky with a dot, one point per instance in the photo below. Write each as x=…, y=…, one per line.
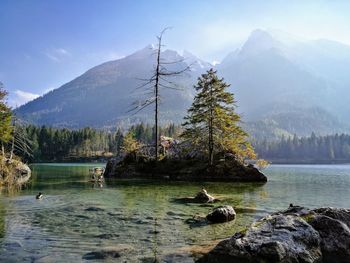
x=44, y=44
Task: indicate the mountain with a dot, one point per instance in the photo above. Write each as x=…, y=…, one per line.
x=103, y=96
x=283, y=85
x=270, y=70
x=286, y=85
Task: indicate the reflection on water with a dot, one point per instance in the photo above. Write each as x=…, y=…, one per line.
x=77, y=217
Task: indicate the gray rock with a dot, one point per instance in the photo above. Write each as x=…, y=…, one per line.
x=296, y=235
x=107, y=236
x=336, y=213
x=52, y=258
x=335, y=235
x=204, y=197
x=101, y=255
x=222, y=214
x=12, y=245
x=94, y=209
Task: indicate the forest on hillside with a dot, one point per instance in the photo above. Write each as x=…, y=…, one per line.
x=311, y=149
x=87, y=144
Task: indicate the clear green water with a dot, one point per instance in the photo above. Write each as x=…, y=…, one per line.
x=61, y=227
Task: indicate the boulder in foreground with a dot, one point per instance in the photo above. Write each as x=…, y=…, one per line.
x=222, y=214
x=295, y=235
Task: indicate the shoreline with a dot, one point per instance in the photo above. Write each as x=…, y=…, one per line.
x=308, y=162
x=272, y=162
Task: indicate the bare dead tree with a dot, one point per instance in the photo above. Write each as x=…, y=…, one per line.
x=20, y=139
x=160, y=79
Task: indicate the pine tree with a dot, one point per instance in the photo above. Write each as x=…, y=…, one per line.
x=212, y=124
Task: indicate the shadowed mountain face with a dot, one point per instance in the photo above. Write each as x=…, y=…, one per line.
x=283, y=85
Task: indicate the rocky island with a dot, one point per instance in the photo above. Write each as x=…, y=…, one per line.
x=184, y=170
x=212, y=145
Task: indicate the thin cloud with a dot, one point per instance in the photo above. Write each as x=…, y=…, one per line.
x=21, y=97
x=57, y=54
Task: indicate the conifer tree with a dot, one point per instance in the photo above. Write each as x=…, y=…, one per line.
x=130, y=145
x=212, y=124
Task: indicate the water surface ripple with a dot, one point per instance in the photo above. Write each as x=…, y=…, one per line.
x=77, y=217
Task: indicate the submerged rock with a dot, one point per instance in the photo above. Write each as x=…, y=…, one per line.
x=94, y=209
x=222, y=214
x=12, y=245
x=297, y=234
x=107, y=236
x=116, y=251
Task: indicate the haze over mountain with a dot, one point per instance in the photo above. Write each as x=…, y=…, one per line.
x=283, y=85
x=290, y=84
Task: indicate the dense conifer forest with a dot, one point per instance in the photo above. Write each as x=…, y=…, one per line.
x=312, y=149
x=54, y=144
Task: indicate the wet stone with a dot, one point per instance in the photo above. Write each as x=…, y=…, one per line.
x=107, y=236
x=113, y=214
x=94, y=209
x=82, y=216
x=12, y=245
x=100, y=255
x=116, y=251
x=141, y=222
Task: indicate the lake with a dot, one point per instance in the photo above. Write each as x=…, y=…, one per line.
x=145, y=218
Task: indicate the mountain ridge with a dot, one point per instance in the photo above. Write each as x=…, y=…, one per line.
x=263, y=72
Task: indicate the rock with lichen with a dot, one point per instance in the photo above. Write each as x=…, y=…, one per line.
x=296, y=235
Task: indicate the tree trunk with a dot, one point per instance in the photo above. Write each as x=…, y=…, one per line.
x=12, y=147
x=156, y=90
x=3, y=149
x=211, y=142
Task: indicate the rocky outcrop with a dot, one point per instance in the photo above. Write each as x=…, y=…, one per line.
x=297, y=234
x=221, y=214
x=184, y=170
x=23, y=173
x=13, y=172
x=201, y=197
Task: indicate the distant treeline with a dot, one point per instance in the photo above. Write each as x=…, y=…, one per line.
x=54, y=144
x=312, y=149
